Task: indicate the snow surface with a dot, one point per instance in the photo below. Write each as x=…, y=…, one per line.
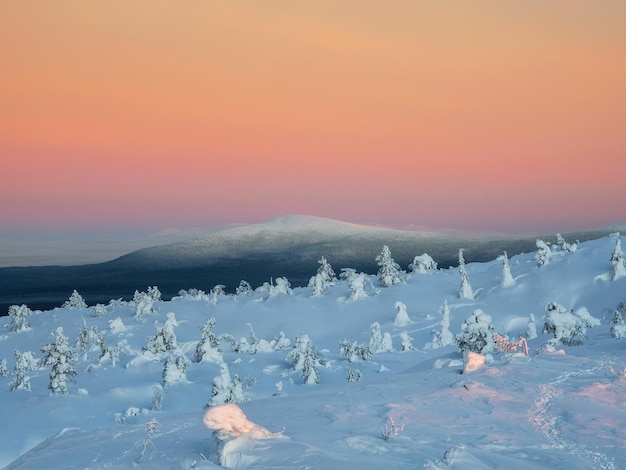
x=560, y=407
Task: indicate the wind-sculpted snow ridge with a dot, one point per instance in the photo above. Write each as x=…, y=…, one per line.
x=143, y=385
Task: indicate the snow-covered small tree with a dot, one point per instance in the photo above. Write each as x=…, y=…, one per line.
x=354, y=351
x=244, y=288
x=324, y=277
x=165, y=338
x=4, y=368
x=216, y=292
x=389, y=271
x=208, y=348
x=157, y=397
x=175, y=368
x=356, y=283
x=423, y=264
x=507, y=278
x=61, y=357
x=379, y=342
x=304, y=359
x=465, y=291
x=531, y=329
x=144, y=304
x=19, y=318
x=617, y=259
x=618, y=328
x=402, y=316
x=476, y=334
x=99, y=310
x=24, y=363
x=87, y=339
x=443, y=337
x=75, y=301
x=543, y=253
x=563, y=245
x=406, y=341
x=225, y=390
x=568, y=327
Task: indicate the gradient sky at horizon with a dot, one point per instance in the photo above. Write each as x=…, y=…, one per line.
x=498, y=116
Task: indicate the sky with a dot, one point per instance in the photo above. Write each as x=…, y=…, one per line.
x=497, y=116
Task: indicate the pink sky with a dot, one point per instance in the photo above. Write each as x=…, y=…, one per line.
x=496, y=116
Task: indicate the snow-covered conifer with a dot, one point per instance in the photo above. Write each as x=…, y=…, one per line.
x=208, y=348
x=618, y=328
x=244, y=288
x=406, y=341
x=225, y=390
x=165, y=337
x=389, y=272
x=324, y=277
x=175, y=368
x=531, y=329
x=23, y=364
x=402, y=317
x=144, y=304
x=617, y=259
x=87, y=338
x=281, y=286
x=157, y=397
x=4, y=368
x=507, y=278
x=354, y=352
x=568, y=327
x=379, y=341
x=476, y=334
x=61, y=357
x=543, y=253
x=563, y=245
x=99, y=310
x=442, y=337
x=465, y=291
x=75, y=301
x=356, y=283
x=216, y=292
x=19, y=318
x=423, y=264
x=304, y=359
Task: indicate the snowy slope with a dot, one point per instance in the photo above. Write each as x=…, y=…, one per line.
x=559, y=407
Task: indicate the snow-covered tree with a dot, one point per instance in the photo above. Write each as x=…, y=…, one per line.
x=24, y=363
x=402, y=317
x=476, y=333
x=531, y=329
x=379, y=342
x=617, y=259
x=618, y=328
x=75, y=301
x=442, y=337
x=175, y=368
x=99, y=310
x=389, y=271
x=165, y=338
x=244, y=288
x=61, y=357
x=157, y=397
x=563, y=245
x=423, y=264
x=507, y=278
x=4, y=368
x=324, y=277
x=354, y=351
x=225, y=390
x=356, y=283
x=304, y=359
x=568, y=327
x=543, y=253
x=144, y=304
x=87, y=339
x=406, y=341
x=216, y=292
x=208, y=348
x=465, y=291
x=19, y=318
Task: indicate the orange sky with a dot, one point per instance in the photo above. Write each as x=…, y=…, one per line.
x=485, y=115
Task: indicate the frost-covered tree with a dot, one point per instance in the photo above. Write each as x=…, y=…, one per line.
x=563, y=245
x=157, y=397
x=324, y=277
x=567, y=327
x=4, y=368
x=216, y=292
x=465, y=291
x=87, y=339
x=354, y=351
x=19, y=318
x=507, y=278
x=244, y=288
x=175, y=368
x=442, y=337
x=617, y=259
x=225, y=390
x=531, y=329
x=618, y=328
x=24, y=363
x=476, y=334
x=389, y=271
x=356, y=283
x=543, y=253
x=144, y=304
x=304, y=359
x=165, y=338
x=423, y=264
x=99, y=310
x=379, y=342
x=75, y=301
x=61, y=357
x=406, y=341
x=402, y=316
x=208, y=348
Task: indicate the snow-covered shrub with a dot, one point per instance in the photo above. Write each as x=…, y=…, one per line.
x=391, y=430
x=87, y=339
x=465, y=291
x=324, y=277
x=99, y=310
x=543, y=253
x=507, y=278
x=563, y=245
x=19, y=318
x=304, y=359
x=112, y=353
x=208, y=348
x=354, y=351
x=216, y=292
x=225, y=390
x=617, y=259
x=379, y=342
x=157, y=397
x=356, y=283
x=24, y=363
x=144, y=304
x=389, y=271
x=61, y=357
x=423, y=264
x=402, y=317
x=568, y=327
x=353, y=375
x=443, y=337
x=531, y=329
x=175, y=368
x=618, y=329
x=504, y=344
x=75, y=301
x=282, y=342
x=165, y=338
x=244, y=288
x=406, y=341
x=476, y=333
x=4, y=368
x=117, y=326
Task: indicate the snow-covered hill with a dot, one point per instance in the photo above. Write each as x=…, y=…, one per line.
x=561, y=406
